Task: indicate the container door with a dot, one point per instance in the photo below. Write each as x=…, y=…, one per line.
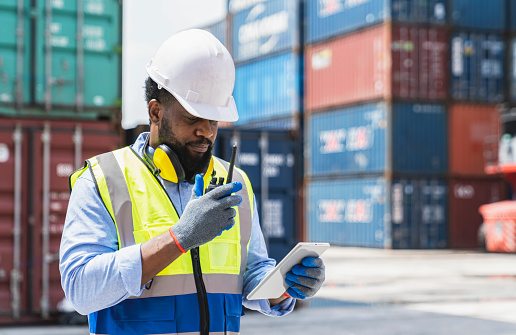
x=14, y=55
x=270, y=160
x=60, y=150
x=348, y=212
x=13, y=224
x=466, y=196
x=77, y=64
x=419, y=213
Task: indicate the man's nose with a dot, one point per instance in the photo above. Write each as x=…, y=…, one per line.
x=204, y=129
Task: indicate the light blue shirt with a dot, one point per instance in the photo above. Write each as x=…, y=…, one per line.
x=96, y=275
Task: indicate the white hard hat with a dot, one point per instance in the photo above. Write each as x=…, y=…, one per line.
x=199, y=72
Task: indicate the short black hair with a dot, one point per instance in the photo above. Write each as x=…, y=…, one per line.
x=161, y=95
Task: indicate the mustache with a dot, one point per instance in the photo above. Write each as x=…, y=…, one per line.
x=201, y=142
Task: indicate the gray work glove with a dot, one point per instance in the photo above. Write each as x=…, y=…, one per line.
x=305, y=279
x=207, y=216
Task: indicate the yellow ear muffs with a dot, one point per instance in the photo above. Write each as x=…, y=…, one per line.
x=166, y=160
x=168, y=164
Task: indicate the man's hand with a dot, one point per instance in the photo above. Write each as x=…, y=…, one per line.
x=305, y=279
x=207, y=216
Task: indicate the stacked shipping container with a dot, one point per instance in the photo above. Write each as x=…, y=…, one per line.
x=366, y=60
x=376, y=123
x=477, y=84
x=60, y=86
x=265, y=43
x=36, y=158
x=60, y=57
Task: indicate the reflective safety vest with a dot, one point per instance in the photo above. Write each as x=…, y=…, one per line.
x=141, y=210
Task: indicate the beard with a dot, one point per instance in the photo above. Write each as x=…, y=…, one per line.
x=192, y=165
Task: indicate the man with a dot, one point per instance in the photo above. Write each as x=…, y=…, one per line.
x=144, y=249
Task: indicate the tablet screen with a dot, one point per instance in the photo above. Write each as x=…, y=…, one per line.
x=274, y=285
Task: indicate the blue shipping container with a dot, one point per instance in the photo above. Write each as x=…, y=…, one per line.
x=265, y=28
x=477, y=67
x=328, y=18
x=512, y=14
x=513, y=69
x=277, y=206
x=479, y=14
x=277, y=220
x=280, y=158
x=358, y=212
x=358, y=140
x=348, y=212
x=219, y=30
x=269, y=88
x=419, y=11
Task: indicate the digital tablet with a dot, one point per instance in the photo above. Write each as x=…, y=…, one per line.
x=274, y=285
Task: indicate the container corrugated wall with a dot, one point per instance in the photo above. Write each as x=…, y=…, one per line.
x=336, y=74
x=477, y=67
x=512, y=64
x=470, y=127
x=479, y=14
x=466, y=196
x=268, y=88
x=219, y=30
x=67, y=59
x=419, y=11
x=419, y=62
x=348, y=212
x=45, y=153
x=15, y=51
x=326, y=19
x=358, y=140
x=377, y=212
x=396, y=60
x=271, y=160
x=265, y=28
x=419, y=213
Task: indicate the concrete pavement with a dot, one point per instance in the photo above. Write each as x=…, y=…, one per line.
x=391, y=292
x=466, y=283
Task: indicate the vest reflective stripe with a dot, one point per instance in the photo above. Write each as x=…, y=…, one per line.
x=183, y=284
x=119, y=194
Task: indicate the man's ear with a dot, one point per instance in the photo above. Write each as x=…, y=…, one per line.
x=155, y=111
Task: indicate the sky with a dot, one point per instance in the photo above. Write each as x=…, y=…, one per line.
x=146, y=24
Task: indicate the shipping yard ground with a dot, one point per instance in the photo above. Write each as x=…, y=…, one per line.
x=388, y=292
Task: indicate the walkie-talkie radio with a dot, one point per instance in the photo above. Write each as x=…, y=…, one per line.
x=216, y=182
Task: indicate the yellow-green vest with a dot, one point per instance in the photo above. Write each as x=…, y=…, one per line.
x=141, y=209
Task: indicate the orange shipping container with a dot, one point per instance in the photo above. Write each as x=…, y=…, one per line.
x=471, y=128
x=380, y=62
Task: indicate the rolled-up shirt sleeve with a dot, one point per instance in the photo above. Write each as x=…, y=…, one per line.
x=258, y=266
x=94, y=273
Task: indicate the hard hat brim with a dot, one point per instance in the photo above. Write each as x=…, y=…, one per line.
x=227, y=113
